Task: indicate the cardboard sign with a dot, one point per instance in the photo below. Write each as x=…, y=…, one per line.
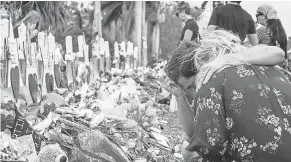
x=21, y=128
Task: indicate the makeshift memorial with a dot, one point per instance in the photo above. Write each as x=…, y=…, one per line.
x=113, y=117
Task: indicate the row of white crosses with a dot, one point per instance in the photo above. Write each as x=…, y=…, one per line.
x=101, y=52
x=31, y=58
x=128, y=51
x=82, y=54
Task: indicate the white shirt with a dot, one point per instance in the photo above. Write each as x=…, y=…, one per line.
x=203, y=21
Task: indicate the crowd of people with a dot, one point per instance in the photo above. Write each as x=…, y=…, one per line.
x=232, y=84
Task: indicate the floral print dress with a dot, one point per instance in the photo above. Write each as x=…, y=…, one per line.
x=244, y=114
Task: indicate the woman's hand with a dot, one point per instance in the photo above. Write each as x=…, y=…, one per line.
x=172, y=87
x=207, y=70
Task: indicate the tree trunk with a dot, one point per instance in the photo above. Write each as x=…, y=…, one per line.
x=156, y=36
x=144, y=34
x=97, y=18
x=125, y=17
x=118, y=30
x=138, y=27
x=156, y=40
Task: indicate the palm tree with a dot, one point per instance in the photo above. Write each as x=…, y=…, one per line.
x=124, y=15
x=53, y=14
x=97, y=18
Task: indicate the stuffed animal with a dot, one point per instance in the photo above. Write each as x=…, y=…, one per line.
x=52, y=153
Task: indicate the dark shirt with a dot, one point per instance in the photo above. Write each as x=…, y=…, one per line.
x=244, y=114
x=193, y=26
x=233, y=18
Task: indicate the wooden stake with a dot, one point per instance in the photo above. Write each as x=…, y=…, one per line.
x=107, y=57
x=102, y=52
x=69, y=59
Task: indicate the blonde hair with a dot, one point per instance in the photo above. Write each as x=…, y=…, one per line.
x=189, y=57
x=215, y=43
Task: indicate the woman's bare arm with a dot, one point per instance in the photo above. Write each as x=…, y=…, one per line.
x=262, y=55
x=257, y=55
x=185, y=115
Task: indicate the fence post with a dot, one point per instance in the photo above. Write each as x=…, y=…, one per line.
x=52, y=47
x=116, y=56
x=135, y=56
x=13, y=57
x=95, y=57
x=122, y=52
x=81, y=44
x=129, y=54
x=69, y=59
x=58, y=58
x=21, y=57
x=102, y=52
x=107, y=57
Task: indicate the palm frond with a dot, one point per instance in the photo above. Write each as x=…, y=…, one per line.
x=52, y=13
x=113, y=13
x=107, y=4
x=129, y=20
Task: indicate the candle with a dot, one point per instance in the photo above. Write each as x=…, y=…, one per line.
x=69, y=45
x=107, y=52
x=80, y=42
x=116, y=49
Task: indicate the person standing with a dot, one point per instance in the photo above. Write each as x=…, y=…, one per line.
x=190, y=31
x=234, y=18
x=202, y=17
x=271, y=32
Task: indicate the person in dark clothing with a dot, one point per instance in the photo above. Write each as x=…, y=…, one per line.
x=190, y=31
x=217, y=3
x=234, y=18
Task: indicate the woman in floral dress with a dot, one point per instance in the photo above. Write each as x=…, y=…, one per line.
x=243, y=113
